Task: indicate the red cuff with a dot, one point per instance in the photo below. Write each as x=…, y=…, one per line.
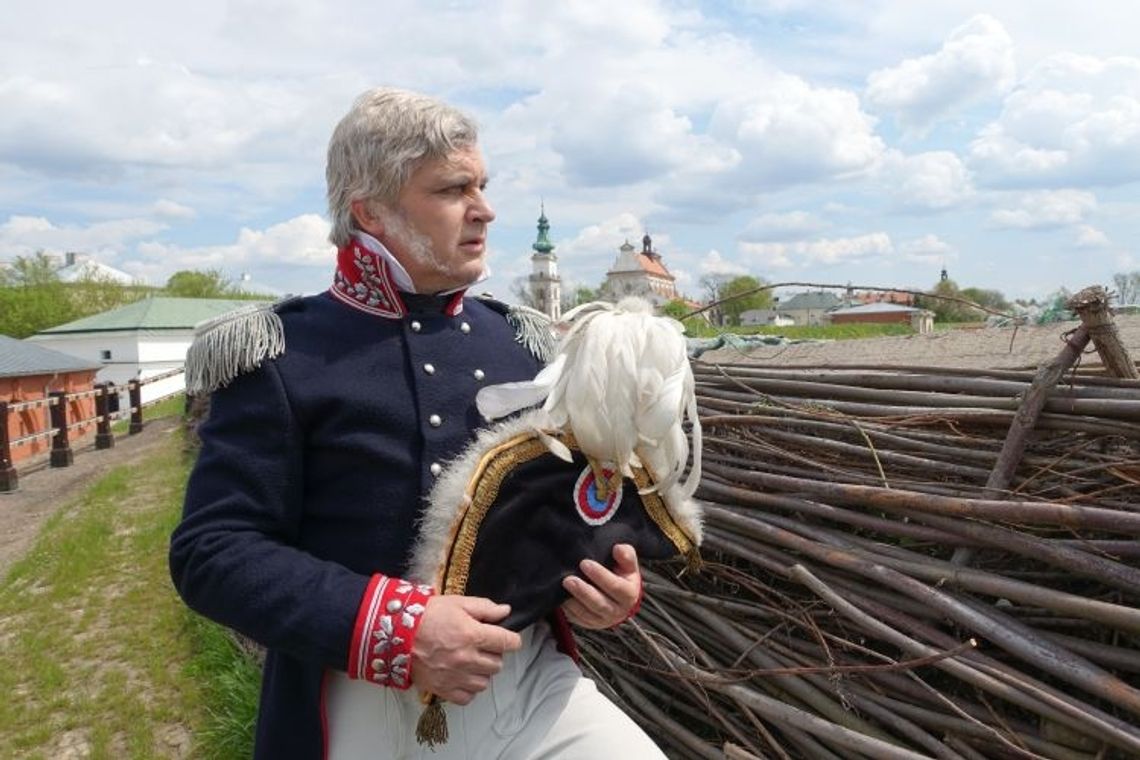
x=386, y=625
x=563, y=634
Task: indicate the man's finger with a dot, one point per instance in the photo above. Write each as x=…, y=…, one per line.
x=484, y=609
x=626, y=558
x=616, y=587
x=493, y=638
x=577, y=613
x=458, y=696
x=591, y=599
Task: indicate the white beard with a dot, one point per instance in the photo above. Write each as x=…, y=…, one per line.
x=417, y=245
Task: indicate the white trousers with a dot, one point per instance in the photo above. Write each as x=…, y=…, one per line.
x=539, y=707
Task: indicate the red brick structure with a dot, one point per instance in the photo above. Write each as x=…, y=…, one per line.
x=30, y=373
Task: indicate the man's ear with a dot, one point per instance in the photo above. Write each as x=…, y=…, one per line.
x=366, y=220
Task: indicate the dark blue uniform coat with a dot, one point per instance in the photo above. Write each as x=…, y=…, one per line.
x=312, y=472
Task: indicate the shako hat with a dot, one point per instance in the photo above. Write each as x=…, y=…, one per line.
x=604, y=460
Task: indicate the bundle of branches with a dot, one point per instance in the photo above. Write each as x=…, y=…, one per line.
x=900, y=563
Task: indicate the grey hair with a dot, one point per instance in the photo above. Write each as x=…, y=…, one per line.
x=375, y=148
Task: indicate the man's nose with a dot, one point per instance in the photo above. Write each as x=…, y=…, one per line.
x=481, y=209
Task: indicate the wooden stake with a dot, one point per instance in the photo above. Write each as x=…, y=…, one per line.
x=1091, y=305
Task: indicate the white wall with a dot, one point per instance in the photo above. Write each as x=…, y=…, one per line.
x=134, y=354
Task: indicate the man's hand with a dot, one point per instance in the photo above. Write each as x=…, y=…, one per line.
x=610, y=597
x=457, y=648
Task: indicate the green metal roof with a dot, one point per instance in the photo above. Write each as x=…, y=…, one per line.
x=155, y=313
x=543, y=244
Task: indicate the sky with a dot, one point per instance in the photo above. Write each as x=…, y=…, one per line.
x=871, y=142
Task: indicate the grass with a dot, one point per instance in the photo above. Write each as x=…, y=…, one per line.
x=102, y=660
x=831, y=332
x=171, y=406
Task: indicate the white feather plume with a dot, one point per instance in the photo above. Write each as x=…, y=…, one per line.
x=622, y=385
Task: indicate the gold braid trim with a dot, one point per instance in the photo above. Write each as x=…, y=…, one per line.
x=482, y=490
x=659, y=513
x=485, y=484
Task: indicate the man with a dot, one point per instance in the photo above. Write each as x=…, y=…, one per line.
x=330, y=419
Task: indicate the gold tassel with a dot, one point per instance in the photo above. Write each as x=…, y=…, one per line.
x=693, y=561
x=432, y=726
x=601, y=482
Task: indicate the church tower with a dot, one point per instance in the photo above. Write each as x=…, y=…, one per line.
x=545, y=284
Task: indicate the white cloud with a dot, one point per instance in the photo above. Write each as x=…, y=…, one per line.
x=935, y=180
x=790, y=225
x=825, y=251
x=631, y=135
x=24, y=235
x=1073, y=120
x=928, y=249
x=789, y=132
x=714, y=263
x=160, y=124
x=1091, y=237
x=588, y=255
x=975, y=62
x=172, y=210
x=1046, y=209
x=301, y=241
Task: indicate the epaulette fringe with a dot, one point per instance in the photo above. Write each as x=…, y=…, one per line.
x=534, y=330
x=232, y=344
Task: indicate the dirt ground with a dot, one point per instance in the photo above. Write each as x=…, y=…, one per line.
x=44, y=490
x=1025, y=347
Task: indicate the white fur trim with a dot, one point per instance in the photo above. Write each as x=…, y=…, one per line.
x=447, y=498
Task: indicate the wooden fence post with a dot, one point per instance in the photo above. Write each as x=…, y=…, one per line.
x=9, y=480
x=134, y=391
x=104, y=438
x=61, y=453
x=1091, y=305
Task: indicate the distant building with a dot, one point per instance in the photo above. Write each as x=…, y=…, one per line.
x=921, y=320
x=29, y=372
x=882, y=296
x=545, y=284
x=639, y=273
x=760, y=317
x=80, y=266
x=142, y=339
x=810, y=308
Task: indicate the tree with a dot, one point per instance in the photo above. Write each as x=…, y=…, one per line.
x=583, y=294
x=675, y=309
x=711, y=284
x=947, y=310
x=734, y=302
x=195, y=283
x=29, y=271
x=991, y=299
x=520, y=292
x=1127, y=287
x=32, y=297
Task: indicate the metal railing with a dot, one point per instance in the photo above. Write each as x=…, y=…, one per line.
x=61, y=424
